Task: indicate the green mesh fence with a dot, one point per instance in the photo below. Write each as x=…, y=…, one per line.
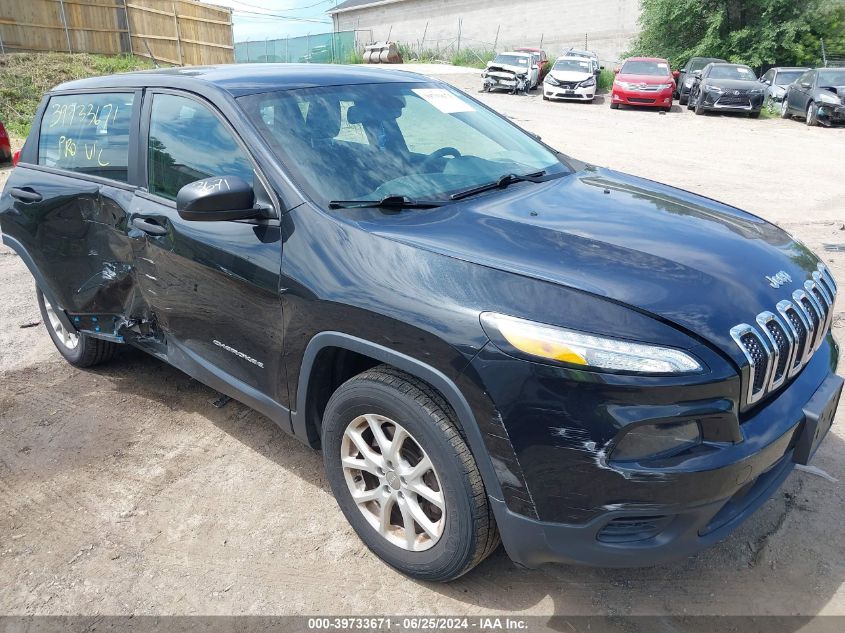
x=324, y=48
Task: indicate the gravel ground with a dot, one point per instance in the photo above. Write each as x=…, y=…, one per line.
x=122, y=490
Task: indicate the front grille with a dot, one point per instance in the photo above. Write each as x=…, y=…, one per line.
x=731, y=99
x=779, y=345
x=569, y=85
x=640, y=100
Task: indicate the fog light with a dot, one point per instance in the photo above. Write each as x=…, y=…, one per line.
x=656, y=440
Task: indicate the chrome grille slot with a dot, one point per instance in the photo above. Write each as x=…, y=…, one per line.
x=782, y=343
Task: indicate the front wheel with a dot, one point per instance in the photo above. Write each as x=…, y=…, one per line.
x=80, y=350
x=614, y=106
x=754, y=115
x=784, y=109
x=699, y=106
x=683, y=99
x=404, y=477
x=812, y=118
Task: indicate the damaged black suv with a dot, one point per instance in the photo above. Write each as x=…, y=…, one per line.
x=485, y=337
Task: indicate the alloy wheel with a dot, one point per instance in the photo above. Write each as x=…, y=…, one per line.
x=393, y=482
x=68, y=339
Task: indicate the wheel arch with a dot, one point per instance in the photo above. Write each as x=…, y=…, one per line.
x=41, y=280
x=368, y=354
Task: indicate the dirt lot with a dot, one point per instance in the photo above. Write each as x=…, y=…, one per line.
x=122, y=490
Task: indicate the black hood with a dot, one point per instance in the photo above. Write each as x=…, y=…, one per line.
x=732, y=84
x=691, y=261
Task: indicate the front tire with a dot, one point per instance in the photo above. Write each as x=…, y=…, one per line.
x=699, y=105
x=784, y=110
x=80, y=350
x=812, y=117
x=404, y=477
x=683, y=99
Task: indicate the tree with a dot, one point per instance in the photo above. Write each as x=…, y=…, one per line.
x=754, y=32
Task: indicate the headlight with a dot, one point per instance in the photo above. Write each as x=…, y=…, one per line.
x=756, y=91
x=652, y=440
x=715, y=89
x=831, y=99
x=585, y=350
x=664, y=86
x=588, y=82
x=623, y=84
x=552, y=81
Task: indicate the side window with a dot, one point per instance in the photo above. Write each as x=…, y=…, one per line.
x=769, y=76
x=188, y=143
x=806, y=78
x=88, y=134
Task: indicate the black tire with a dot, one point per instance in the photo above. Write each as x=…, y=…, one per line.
x=469, y=531
x=87, y=352
x=614, y=106
x=754, y=115
x=812, y=116
x=785, y=112
x=683, y=99
x=699, y=106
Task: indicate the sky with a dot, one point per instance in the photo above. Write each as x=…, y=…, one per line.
x=273, y=19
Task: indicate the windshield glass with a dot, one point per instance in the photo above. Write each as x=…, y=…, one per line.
x=366, y=142
x=832, y=77
x=732, y=72
x=511, y=60
x=659, y=69
x=698, y=64
x=786, y=77
x=573, y=65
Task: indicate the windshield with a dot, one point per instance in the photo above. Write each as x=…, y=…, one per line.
x=786, y=77
x=366, y=142
x=832, y=77
x=573, y=65
x=732, y=72
x=698, y=64
x=660, y=69
x=511, y=60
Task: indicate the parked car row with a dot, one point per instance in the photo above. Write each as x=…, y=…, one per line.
x=574, y=75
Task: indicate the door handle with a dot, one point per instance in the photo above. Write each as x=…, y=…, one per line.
x=149, y=226
x=25, y=194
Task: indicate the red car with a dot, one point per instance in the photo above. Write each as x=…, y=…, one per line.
x=544, y=64
x=644, y=81
x=5, y=146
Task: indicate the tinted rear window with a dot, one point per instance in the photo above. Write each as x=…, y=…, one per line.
x=87, y=133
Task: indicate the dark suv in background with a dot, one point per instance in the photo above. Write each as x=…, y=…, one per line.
x=484, y=336
x=686, y=79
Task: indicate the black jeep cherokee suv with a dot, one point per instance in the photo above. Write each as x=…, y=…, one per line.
x=485, y=337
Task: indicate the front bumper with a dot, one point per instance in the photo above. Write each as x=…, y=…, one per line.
x=576, y=93
x=727, y=102
x=652, y=99
x=831, y=113
x=595, y=512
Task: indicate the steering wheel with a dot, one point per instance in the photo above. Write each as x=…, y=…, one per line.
x=437, y=155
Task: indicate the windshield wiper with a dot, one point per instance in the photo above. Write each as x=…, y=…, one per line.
x=501, y=183
x=388, y=202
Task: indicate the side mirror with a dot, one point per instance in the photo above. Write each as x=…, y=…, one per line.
x=601, y=67
x=616, y=71
x=806, y=84
x=218, y=198
x=696, y=74
x=676, y=73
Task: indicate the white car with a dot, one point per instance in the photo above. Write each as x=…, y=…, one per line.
x=512, y=71
x=571, y=77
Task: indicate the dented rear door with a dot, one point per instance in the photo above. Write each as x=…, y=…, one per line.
x=65, y=207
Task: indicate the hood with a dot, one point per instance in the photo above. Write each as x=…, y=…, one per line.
x=839, y=91
x=650, y=80
x=570, y=75
x=696, y=263
x=511, y=68
x=733, y=84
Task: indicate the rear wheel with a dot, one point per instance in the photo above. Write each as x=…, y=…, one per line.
x=812, y=117
x=78, y=349
x=404, y=477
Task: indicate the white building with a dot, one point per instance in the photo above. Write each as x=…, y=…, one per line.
x=607, y=26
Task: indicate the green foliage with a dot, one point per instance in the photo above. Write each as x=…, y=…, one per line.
x=606, y=80
x=354, y=57
x=25, y=77
x=753, y=32
x=472, y=58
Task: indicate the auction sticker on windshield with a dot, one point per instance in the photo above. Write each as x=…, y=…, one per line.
x=444, y=100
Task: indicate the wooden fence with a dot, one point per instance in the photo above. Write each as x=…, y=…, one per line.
x=183, y=32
